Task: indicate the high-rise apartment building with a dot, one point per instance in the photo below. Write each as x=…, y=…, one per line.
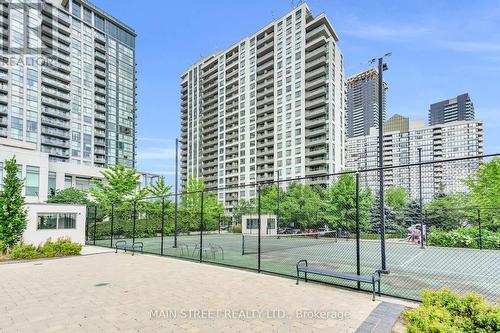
x=402, y=139
x=68, y=81
x=362, y=103
x=271, y=104
x=457, y=108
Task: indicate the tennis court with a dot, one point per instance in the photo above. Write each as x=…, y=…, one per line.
x=412, y=269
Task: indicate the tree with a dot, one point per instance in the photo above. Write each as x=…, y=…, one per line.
x=269, y=199
x=120, y=184
x=300, y=206
x=190, y=207
x=485, y=189
x=12, y=211
x=396, y=198
x=69, y=196
x=412, y=214
x=160, y=189
x=390, y=217
x=448, y=212
x=243, y=207
x=341, y=204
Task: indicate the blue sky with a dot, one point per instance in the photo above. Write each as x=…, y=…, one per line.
x=440, y=49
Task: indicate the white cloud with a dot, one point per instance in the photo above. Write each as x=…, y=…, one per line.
x=148, y=139
x=468, y=46
x=156, y=154
x=164, y=173
x=384, y=31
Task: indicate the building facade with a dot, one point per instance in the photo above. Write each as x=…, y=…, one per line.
x=269, y=106
x=43, y=176
x=401, y=144
x=68, y=81
x=457, y=108
x=362, y=103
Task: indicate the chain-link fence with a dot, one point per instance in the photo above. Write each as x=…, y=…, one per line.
x=434, y=228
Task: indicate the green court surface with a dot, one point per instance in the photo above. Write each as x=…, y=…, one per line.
x=412, y=269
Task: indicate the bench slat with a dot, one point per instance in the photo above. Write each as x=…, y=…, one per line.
x=347, y=276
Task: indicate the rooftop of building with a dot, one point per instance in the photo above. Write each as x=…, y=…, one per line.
x=94, y=8
x=369, y=73
x=304, y=6
x=453, y=100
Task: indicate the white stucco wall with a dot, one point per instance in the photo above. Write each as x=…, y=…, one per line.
x=263, y=224
x=36, y=237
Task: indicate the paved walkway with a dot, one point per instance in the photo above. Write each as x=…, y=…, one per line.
x=120, y=293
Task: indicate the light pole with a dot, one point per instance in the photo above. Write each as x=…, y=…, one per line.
x=381, y=67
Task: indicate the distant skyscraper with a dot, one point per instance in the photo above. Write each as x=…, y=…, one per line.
x=458, y=108
x=402, y=139
x=362, y=103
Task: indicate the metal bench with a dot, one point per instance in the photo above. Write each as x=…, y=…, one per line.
x=375, y=277
x=122, y=245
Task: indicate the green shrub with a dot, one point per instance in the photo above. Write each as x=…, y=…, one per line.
x=447, y=312
x=465, y=237
x=236, y=229
x=24, y=251
x=60, y=248
x=3, y=247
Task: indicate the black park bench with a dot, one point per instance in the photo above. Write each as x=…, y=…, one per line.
x=124, y=246
x=375, y=277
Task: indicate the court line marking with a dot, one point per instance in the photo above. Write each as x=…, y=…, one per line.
x=411, y=259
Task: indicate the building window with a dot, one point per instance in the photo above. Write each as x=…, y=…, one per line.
x=83, y=183
x=252, y=224
x=56, y=221
x=51, y=183
x=32, y=180
x=68, y=181
x=47, y=221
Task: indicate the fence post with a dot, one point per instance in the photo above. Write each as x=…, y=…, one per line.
x=95, y=221
x=87, y=211
x=420, y=197
x=133, y=219
x=162, y=223
x=258, y=226
x=219, y=223
x=201, y=226
x=480, y=229
x=175, y=218
x=176, y=189
x=112, y=223
x=278, y=202
x=358, y=234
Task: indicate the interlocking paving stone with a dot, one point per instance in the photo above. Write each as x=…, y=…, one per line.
x=381, y=319
x=61, y=296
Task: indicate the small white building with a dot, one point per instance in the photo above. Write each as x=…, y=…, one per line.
x=250, y=224
x=53, y=221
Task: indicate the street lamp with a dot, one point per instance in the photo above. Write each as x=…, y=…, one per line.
x=381, y=68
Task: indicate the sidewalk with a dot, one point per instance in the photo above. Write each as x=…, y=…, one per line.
x=118, y=292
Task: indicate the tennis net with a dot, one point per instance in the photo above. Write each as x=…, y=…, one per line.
x=269, y=243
